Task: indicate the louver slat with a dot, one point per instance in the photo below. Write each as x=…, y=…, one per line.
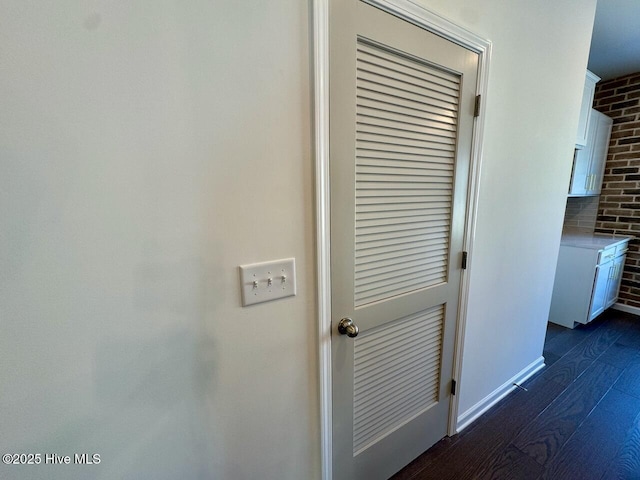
x=394, y=62
x=394, y=235
x=406, y=127
x=396, y=374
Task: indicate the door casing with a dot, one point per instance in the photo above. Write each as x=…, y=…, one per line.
x=409, y=11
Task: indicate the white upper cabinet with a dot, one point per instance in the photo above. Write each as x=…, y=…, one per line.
x=587, y=101
x=599, y=148
x=589, y=162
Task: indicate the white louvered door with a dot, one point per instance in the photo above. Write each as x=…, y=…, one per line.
x=401, y=122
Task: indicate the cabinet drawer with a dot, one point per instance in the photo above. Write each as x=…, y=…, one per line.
x=622, y=248
x=607, y=255
x=612, y=252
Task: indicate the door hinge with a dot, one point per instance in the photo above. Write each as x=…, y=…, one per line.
x=464, y=260
x=453, y=387
x=476, y=108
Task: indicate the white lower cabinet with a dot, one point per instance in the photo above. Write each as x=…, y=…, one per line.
x=587, y=279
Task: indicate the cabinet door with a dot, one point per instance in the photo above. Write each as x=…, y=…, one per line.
x=589, y=162
x=581, y=178
x=615, y=277
x=587, y=101
x=600, y=286
x=599, y=147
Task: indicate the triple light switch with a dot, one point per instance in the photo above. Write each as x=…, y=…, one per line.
x=262, y=282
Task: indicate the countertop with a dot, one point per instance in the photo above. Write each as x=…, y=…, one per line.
x=596, y=241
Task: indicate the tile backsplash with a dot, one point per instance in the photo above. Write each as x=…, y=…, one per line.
x=581, y=213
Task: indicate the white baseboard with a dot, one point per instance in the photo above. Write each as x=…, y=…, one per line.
x=626, y=308
x=471, y=415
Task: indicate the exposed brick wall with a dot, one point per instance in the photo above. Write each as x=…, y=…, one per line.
x=619, y=207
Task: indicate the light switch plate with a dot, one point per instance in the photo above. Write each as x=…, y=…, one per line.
x=262, y=282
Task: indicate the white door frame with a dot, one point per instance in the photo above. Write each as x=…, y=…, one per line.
x=418, y=15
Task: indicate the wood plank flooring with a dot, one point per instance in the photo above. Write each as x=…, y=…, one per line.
x=579, y=419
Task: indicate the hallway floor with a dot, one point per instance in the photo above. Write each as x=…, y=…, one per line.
x=579, y=419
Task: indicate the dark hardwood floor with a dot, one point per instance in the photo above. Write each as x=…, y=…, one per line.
x=579, y=419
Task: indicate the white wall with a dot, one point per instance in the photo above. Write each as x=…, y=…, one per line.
x=540, y=52
x=148, y=148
